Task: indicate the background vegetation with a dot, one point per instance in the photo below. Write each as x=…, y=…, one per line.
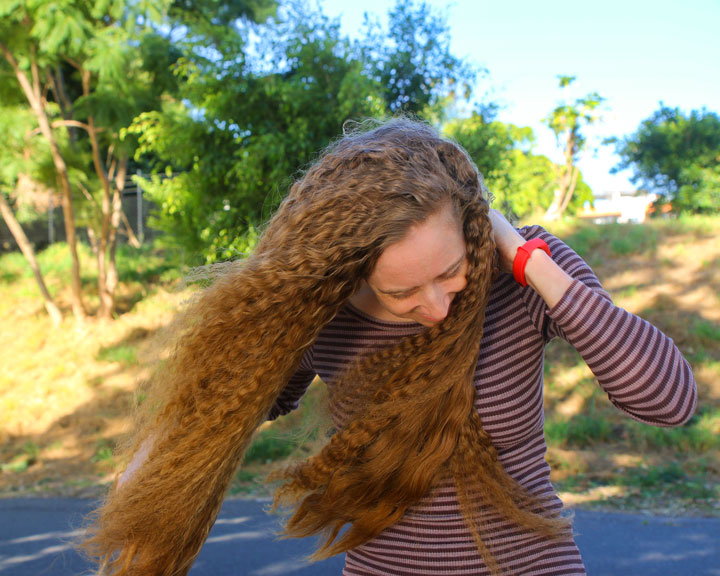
x=66, y=396
x=213, y=107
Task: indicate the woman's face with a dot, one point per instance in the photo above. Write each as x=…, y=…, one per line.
x=417, y=278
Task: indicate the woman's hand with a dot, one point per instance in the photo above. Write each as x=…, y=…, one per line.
x=541, y=273
x=507, y=239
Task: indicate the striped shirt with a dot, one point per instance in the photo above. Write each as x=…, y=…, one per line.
x=639, y=368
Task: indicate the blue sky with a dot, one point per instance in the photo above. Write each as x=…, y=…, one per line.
x=635, y=53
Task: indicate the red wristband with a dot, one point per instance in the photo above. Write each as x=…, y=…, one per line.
x=522, y=256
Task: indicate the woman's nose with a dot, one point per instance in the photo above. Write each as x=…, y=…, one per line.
x=438, y=304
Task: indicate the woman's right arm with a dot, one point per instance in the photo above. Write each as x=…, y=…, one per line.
x=298, y=384
x=137, y=461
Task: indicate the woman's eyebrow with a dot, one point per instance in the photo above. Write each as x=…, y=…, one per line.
x=449, y=269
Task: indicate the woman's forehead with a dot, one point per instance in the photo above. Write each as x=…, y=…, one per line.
x=427, y=251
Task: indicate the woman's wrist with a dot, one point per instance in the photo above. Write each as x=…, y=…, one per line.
x=546, y=277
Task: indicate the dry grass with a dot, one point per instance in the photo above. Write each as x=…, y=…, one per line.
x=65, y=394
x=600, y=457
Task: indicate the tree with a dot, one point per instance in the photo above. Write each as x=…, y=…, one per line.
x=568, y=121
x=413, y=63
x=87, y=70
x=15, y=123
x=223, y=152
x=28, y=51
x=676, y=156
x=521, y=182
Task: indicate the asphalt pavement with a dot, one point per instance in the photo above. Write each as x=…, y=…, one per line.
x=36, y=535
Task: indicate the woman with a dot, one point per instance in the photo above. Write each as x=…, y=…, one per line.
x=379, y=272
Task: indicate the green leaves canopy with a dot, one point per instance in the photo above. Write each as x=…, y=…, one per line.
x=243, y=124
x=678, y=156
x=521, y=182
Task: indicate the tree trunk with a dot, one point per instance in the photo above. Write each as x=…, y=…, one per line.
x=27, y=250
x=566, y=181
x=132, y=238
x=106, y=299
x=117, y=212
x=33, y=94
x=571, y=189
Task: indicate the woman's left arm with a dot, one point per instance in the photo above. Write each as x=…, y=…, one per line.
x=640, y=368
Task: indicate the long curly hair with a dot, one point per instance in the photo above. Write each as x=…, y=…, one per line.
x=240, y=341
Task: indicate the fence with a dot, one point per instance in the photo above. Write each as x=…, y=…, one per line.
x=50, y=228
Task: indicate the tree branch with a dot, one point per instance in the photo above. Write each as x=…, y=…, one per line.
x=60, y=123
x=97, y=161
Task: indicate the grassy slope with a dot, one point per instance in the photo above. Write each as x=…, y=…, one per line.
x=668, y=273
x=65, y=395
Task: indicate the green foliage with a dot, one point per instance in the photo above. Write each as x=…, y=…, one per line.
x=122, y=353
x=218, y=173
x=147, y=264
x=699, y=435
x=412, y=61
x=622, y=239
x=489, y=143
x=567, y=120
x=652, y=476
x=579, y=431
x=677, y=156
x=632, y=239
x=521, y=182
x=104, y=453
x=211, y=23
x=54, y=261
x=98, y=62
x=699, y=190
x=268, y=446
x=223, y=155
x=706, y=330
x=24, y=460
x=217, y=110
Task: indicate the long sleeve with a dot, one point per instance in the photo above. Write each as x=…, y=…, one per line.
x=289, y=398
x=640, y=368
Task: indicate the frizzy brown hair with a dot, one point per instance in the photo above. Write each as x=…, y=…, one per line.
x=239, y=343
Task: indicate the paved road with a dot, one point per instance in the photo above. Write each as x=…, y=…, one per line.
x=35, y=535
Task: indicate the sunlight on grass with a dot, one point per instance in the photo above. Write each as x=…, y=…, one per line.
x=122, y=353
x=706, y=330
x=79, y=382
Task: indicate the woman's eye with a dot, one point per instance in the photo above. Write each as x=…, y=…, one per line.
x=452, y=273
x=399, y=296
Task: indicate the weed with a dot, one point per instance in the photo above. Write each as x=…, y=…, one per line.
x=103, y=453
x=626, y=239
x=268, y=446
x=585, y=239
x=122, y=353
x=697, y=225
x=627, y=292
x=245, y=476
x=145, y=265
x=24, y=460
x=706, y=330
x=579, y=431
x=670, y=480
x=622, y=239
x=699, y=435
x=650, y=477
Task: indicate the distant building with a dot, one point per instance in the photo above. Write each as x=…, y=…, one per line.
x=619, y=207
